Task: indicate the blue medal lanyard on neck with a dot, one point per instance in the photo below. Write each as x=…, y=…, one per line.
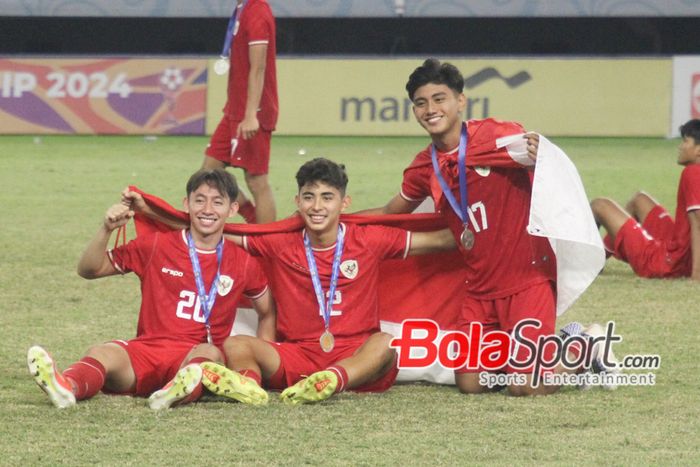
x=461, y=208
x=325, y=307
x=231, y=29
x=206, y=300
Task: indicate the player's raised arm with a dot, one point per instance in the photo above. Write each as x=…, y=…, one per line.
x=431, y=242
x=396, y=205
x=94, y=262
x=694, y=220
x=137, y=204
x=267, y=316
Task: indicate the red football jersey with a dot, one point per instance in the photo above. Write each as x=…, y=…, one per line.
x=505, y=258
x=688, y=199
x=170, y=306
x=355, y=305
x=256, y=26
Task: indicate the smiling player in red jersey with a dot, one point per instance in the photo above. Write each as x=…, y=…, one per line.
x=191, y=282
x=511, y=275
x=324, y=280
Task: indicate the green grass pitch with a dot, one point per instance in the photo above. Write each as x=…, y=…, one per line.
x=55, y=190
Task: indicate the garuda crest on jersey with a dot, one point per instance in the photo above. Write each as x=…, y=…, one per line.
x=349, y=268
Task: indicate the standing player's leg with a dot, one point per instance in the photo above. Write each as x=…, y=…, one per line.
x=259, y=187
x=219, y=154
x=370, y=362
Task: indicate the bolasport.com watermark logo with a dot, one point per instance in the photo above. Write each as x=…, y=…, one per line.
x=578, y=356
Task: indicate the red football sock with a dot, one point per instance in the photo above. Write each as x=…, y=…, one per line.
x=87, y=377
x=252, y=375
x=342, y=377
x=247, y=211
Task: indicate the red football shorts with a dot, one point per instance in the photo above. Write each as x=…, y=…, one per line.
x=300, y=360
x=251, y=155
x=502, y=314
x=155, y=361
x=643, y=246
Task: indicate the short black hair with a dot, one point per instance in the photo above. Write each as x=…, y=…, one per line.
x=323, y=170
x=435, y=72
x=691, y=128
x=215, y=178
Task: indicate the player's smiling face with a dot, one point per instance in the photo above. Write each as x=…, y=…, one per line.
x=208, y=210
x=688, y=151
x=320, y=206
x=439, y=109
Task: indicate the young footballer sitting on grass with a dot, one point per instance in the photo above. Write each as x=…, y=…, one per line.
x=645, y=235
x=191, y=281
x=483, y=190
x=324, y=278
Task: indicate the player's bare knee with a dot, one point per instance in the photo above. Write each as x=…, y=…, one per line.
x=237, y=346
x=207, y=351
x=633, y=203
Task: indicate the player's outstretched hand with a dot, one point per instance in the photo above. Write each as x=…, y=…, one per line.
x=533, y=143
x=116, y=216
x=133, y=200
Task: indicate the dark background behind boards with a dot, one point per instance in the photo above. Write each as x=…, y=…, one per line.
x=359, y=36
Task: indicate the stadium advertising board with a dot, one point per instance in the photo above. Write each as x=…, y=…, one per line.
x=558, y=97
x=103, y=95
x=686, y=91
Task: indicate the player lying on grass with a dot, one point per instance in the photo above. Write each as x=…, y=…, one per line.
x=191, y=281
x=324, y=279
x=645, y=235
x=484, y=190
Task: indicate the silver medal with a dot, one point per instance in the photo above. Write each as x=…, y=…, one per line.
x=221, y=66
x=467, y=239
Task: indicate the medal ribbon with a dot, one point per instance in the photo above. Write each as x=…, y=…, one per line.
x=228, y=41
x=461, y=208
x=206, y=301
x=325, y=307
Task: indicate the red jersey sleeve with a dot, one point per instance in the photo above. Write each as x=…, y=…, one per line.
x=416, y=177
x=257, y=282
x=690, y=187
x=260, y=245
x=387, y=242
x=259, y=20
x=135, y=255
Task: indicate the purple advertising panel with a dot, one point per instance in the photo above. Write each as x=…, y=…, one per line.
x=103, y=96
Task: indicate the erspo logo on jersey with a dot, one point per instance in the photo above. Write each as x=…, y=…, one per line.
x=172, y=272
